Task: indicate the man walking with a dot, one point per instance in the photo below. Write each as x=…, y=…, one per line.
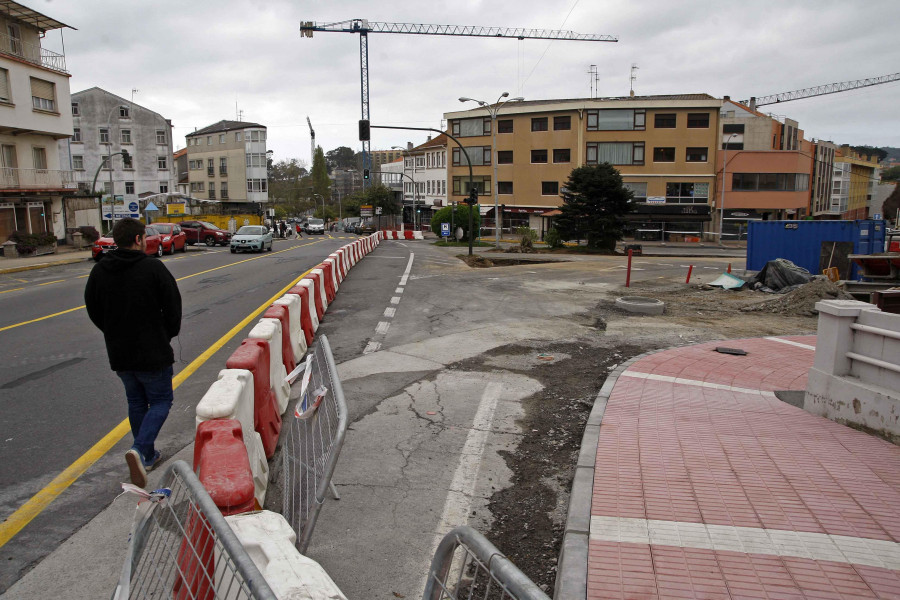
x=134, y=300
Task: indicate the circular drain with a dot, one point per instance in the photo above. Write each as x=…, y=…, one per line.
x=640, y=304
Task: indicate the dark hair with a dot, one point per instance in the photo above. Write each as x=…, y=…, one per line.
x=125, y=230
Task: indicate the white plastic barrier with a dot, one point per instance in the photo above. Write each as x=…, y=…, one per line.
x=310, y=290
x=231, y=397
x=335, y=282
x=418, y=235
x=348, y=253
x=338, y=270
x=270, y=331
x=269, y=540
x=321, y=286
x=298, y=339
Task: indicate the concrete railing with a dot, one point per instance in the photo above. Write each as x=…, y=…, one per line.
x=37, y=178
x=855, y=378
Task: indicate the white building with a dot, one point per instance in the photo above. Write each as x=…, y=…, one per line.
x=426, y=166
x=34, y=114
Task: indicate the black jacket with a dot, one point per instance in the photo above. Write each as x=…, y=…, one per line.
x=134, y=300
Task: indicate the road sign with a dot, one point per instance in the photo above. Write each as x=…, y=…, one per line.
x=133, y=206
x=365, y=210
x=656, y=199
x=877, y=216
x=445, y=229
x=377, y=210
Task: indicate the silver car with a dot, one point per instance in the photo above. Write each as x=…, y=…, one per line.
x=315, y=226
x=252, y=237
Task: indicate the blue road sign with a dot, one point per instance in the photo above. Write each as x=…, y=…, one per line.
x=445, y=229
x=133, y=206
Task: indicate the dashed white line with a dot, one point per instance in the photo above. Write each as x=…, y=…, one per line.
x=382, y=327
x=405, y=277
x=398, y=291
x=390, y=312
x=371, y=347
x=395, y=300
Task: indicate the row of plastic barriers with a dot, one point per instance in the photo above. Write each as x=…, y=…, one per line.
x=278, y=389
x=391, y=234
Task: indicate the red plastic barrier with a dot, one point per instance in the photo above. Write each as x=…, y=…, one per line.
x=338, y=271
x=408, y=234
x=195, y=578
x=253, y=355
x=222, y=465
x=328, y=281
x=317, y=295
x=287, y=348
x=305, y=321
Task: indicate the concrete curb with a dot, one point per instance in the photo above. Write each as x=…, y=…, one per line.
x=68, y=261
x=571, y=573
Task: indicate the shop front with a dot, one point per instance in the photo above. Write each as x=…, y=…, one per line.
x=668, y=222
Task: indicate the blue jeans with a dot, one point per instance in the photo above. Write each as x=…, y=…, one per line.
x=150, y=396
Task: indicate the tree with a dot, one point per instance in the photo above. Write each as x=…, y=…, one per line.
x=459, y=218
x=871, y=152
x=892, y=174
x=892, y=205
x=594, y=204
x=289, y=185
x=321, y=184
x=341, y=157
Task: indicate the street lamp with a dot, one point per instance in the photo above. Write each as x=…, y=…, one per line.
x=411, y=178
x=493, y=110
x=323, y=205
x=722, y=203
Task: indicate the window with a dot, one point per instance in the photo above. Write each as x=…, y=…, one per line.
x=198, y=186
x=771, y=182
x=257, y=185
x=638, y=190
x=238, y=136
x=126, y=136
x=223, y=165
x=78, y=162
x=549, y=188
x=561, y=155
x=8, y=157
x=212, y=190
x=687, y=193
x=209, y=140
x=615, y=153
x=733, y=128
x=15, y=38
x=76, y=134
x=256, y=160
x=616, y=119
x=76, y=110
x=504, y=157
x=733, y=146
x=664, y=155
x=479, y=155
x=163, y=187
x=255, y=135
x=107, y=188
x=43, y=94
x=39, y=157
x=124, y=112
x=224, y=190
x=471, y=127
x=664, y=121
x=129, y=187
x=698, y=120
x=481, y=183
x=161, y=137
x=210, y=169
x=539, y=124
x=161, y=163
x=538, y=156
x=104, y=135
x=221, y=138
x=562, y=123
x=696, y=154
x=504, y=187
x=505, y=126
x=4, y=86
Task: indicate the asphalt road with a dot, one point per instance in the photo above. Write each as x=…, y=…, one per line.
x=58, y=397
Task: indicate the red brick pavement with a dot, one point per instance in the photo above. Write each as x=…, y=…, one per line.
x=676, y=451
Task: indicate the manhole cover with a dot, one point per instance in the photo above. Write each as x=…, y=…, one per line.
x=640, y=304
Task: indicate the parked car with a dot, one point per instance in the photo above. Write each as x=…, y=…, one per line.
x=255, y=238
x=366, y=227
x=315, y=226
x=173, y=237
x=105, y=244
x=350, y=228
x=202, y=231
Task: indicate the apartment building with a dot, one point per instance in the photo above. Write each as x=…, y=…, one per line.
x=180, y=164
x=768, y=164
x=822, y=181
x=664, y=147
x=227, y=163
x=382, y=157
x=853, y=187
x=104, y=124
x=345, y=182
x=425, y=179
x=34, y=115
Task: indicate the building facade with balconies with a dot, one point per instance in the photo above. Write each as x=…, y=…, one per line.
x=227, y=163
x=853, y=186
x=34, y=115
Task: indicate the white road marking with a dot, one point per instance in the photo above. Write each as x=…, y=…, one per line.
x=371, y=347
x=694, y=382
x=749, y=540
x=398, y=291
x=791, y=343
x=405, y=277
x=382, y=327
x=390, y=312
x=395, y=300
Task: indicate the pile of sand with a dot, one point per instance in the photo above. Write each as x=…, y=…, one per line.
x=801, y=302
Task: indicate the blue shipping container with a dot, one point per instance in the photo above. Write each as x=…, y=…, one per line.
x=814, y=245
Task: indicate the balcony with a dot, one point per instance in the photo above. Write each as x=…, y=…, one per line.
x=224, y=195
x=38, y=179
x=31, y=53
x=211, y=172
x=223, y=171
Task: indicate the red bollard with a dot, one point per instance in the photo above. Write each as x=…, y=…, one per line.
x=729, y=267
x=628, y=272
x=690, y=268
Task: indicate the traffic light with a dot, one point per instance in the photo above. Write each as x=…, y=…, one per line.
x=126, y=159
x=473, y=197
x=365, y=171
x=364, y=130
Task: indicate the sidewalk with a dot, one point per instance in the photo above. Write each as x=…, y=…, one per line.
x=65, y=255
x=695, y=480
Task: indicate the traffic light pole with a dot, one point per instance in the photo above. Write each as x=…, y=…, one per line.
x=473, y=193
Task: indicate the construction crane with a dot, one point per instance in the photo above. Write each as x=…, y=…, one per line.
x=364, y=27
x=312, y=143
x=820, y=90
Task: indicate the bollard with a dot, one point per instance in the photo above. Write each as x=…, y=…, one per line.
x=729, y=267
x=628, y=271
x=690, y=268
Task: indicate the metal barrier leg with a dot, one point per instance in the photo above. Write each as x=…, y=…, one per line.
x=334, y=491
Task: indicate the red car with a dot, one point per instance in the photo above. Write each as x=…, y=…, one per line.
x=173, y=237
x=106, y=244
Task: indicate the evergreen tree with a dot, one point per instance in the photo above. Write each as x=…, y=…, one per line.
x=594, y=204
x=321, y=184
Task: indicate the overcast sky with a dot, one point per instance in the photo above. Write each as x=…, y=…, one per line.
x=194, y=61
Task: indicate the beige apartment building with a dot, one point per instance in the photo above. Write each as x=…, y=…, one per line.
x=664, y=147
x=227, y=163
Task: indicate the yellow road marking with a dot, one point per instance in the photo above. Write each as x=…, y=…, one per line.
x=44, y=318
x=49, y=282
x=12, y=290
x=37, y=503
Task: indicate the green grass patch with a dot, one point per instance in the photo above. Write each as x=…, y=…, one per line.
x=464, y=244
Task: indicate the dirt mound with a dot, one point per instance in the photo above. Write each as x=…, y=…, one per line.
x=802, y=301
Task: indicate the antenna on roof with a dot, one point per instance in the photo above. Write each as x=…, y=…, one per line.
x=133, y=92
x=595, y=81
x=634, y=68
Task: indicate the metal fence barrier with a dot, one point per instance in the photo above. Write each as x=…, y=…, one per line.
x=182, y=548
x=467, y=565
x=312, y=445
